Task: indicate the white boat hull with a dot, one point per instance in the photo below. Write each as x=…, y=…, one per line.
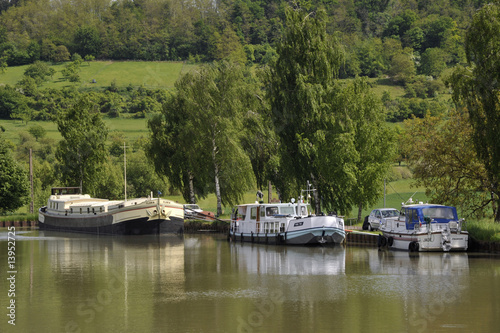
x=310, y=236
x=424, y=242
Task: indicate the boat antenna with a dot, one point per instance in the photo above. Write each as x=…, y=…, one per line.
x=308, y=190
x=260, y=195
x=411, y=198
x=125, y=168
x=397, y=192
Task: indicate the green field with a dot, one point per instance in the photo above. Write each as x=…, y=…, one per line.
x=132, y=129
x=150, y=74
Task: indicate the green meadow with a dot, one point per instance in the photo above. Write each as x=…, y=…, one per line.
x=150, y=74
x=132, y=129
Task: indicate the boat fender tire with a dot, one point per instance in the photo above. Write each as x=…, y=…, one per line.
x=382, y=241
x=413, y=246
x=390, y=241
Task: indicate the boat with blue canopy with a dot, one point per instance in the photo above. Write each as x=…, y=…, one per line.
x=425, y=227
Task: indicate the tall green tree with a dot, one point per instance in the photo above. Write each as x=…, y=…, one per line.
x=87, y=41
x=328, y=130
x=446, y=163
x=82, y=152
x=39, y=71
x=476, y=87
x=209, y=102
x=141, y=176
x=14, y=181
x=174, y=152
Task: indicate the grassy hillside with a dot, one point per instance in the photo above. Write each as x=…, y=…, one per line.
x=148, y=73
x=132, y=129
x=163, y=75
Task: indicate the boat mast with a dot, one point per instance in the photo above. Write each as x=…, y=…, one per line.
x=125, y=168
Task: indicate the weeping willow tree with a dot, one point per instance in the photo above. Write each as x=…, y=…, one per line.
x=331, y=133
x=200, y=131
x=82, y=151
x=476, y=87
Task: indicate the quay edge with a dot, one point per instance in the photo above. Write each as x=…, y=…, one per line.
x=354, y=238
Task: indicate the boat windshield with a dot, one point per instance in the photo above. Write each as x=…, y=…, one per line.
x=439, y=213
x=271, y=211
x=287, y=211
x=390, y=213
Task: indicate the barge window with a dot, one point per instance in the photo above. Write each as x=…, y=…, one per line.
x=287, y=211
x=282, y=228
x=80, y=210
x=253, y=213
x=271, y=211
x=412, y=215
x=439, y=213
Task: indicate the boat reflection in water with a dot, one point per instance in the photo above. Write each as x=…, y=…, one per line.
x=203, y=283
x=283, y=260
x=404, y=263
x=87, y=259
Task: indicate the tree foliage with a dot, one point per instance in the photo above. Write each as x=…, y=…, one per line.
x=441, y=154
x=330, y=133
x=14, y=181
x=476, y=87
x=208, y=133
x=82, y=152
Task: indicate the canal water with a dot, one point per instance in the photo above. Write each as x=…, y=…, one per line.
x=203, y=283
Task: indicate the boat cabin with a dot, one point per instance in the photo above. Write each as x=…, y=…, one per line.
x=69, y=201
x=267, y=218
x=257, y=211
x=416, y=215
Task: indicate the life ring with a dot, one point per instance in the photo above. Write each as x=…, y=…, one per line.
x=382, y=241
x=390, y=241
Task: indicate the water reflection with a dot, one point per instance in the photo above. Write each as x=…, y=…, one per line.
x=405, y=263
x=291, y=260
x=202, y=283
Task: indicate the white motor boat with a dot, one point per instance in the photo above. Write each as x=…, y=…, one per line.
x=285, y=223
x=424, y=227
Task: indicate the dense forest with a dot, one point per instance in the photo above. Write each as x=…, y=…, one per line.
x=375, y=33
x=407, y=43
x=318, y=51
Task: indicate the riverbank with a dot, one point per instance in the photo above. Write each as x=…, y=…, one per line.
x=354, y=235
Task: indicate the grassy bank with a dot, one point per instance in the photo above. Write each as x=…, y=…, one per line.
x=484, y=230
x=19, y=217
